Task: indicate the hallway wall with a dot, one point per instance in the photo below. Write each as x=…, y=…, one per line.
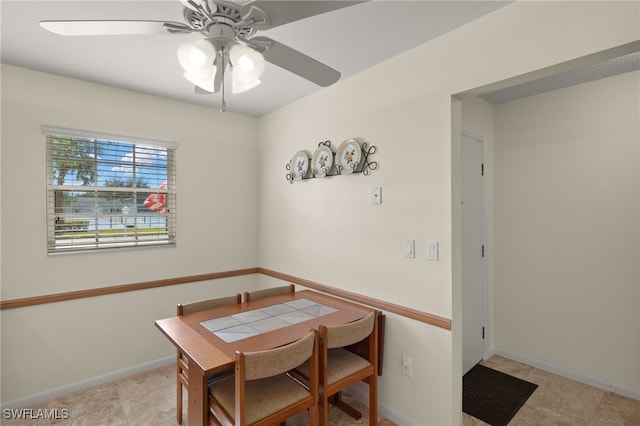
x=567, y=235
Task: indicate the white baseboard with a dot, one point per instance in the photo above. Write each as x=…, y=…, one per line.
x=88, y=383
x=489, y=352
x=570, y=374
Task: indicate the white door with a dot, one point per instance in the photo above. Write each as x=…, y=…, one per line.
x=473, y=271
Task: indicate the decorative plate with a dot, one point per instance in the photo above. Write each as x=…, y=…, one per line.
x=348, y=156
x=300, y=165
x=322, y=161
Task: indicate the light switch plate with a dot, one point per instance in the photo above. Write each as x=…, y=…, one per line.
x=432, y=250
x=410, y=248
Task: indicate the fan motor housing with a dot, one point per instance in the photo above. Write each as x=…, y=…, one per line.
x=226, y=14
x=221, y=34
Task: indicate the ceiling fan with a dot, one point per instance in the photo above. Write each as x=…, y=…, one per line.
x=229, y=30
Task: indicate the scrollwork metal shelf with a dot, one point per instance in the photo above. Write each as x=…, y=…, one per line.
x=300, y=167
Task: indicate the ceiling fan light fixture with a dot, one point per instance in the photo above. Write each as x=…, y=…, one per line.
x=197, y=58
x=228, y=27
x=205, y=83
x=238, y=86
x=248, y=64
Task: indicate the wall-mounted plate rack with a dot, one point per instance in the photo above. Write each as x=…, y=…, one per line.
x=352, y=156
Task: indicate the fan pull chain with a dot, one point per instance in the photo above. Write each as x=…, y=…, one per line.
x=223, y=104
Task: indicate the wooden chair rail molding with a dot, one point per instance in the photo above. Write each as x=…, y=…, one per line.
x=102, y=291
x=365, y=300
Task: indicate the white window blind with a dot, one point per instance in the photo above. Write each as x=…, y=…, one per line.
x=106, y=192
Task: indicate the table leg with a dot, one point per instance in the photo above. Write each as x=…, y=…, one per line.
x=198, y=398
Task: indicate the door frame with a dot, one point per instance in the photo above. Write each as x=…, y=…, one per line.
x=485, y=283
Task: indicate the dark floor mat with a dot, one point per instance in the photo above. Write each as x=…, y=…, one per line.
x=492, y=396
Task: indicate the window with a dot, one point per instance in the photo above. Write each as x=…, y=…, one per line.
x=108, y=192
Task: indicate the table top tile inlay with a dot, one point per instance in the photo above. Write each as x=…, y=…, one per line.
x=251, y=323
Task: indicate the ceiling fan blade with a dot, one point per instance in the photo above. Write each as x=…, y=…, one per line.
x=198, y=5
x=282, y=12
x=296, y=62
x=91, y=28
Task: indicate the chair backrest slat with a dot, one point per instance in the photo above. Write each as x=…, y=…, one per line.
x=202, y=305
x=261, y=364
x=268, y=292
x=339, y=336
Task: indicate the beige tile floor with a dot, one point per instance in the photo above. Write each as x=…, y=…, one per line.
x=149, y=399
x=559, y=401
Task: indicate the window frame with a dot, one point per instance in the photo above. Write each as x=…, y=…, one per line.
x=132, y=219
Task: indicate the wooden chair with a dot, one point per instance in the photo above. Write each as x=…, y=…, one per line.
x=268, y=292
x=341, y=368
x=261, y=393
x=182, y=364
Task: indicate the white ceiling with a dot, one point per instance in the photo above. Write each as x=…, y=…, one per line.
x=349, y=40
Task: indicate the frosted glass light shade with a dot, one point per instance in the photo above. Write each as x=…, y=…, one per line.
x=248, y=64
x=247, y=67
x=205, y=83
x=238, y=86
x=197, y=58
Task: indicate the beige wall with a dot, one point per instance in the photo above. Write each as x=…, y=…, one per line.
x=565, y=171
x=567, y=240
x=217, y=230
x=326, y=230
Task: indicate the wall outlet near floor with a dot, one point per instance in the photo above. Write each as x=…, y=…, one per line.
x=406, y=364
x=376, y=195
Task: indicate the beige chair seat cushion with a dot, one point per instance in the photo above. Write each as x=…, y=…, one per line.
x=340, y=364
x=263, y=397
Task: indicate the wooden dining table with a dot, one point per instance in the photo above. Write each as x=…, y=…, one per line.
x=211, y=348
